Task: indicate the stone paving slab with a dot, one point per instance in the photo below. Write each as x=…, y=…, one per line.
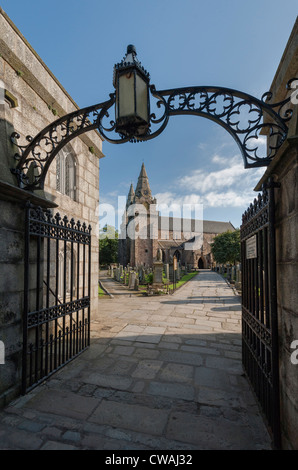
x=162, y=373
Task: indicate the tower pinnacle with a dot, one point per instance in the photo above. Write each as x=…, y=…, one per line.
x=143, y=188
x=130, y=197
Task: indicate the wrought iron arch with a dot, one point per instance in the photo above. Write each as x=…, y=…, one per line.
x=258, y=115
x=225, y=106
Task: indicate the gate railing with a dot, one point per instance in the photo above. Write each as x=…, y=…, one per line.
x=259, y=305
x=56, y=321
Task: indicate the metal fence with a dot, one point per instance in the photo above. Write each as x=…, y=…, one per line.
x=56, y=321
x=259, y=306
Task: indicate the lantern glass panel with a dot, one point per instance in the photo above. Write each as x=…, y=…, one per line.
x=141, y=98
x=126, y=104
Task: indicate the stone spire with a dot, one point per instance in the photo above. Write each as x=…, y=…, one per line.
x=130, y=197
x=143, y=189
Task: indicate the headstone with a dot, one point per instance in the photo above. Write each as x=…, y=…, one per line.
x=132, y=279
x=178, y=272
x=157, y=274
x=126, y=277
x=167, y=271
x=142, y=275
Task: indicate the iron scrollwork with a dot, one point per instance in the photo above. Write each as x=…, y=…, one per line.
x=34, y=159
x=245, y=117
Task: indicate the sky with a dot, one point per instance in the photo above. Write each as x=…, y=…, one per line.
x=228, y=43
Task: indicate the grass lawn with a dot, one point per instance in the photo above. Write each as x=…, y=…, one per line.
x=183, y=280
x=101, y=292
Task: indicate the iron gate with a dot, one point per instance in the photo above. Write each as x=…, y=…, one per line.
x=259, y=306
x=56, y=322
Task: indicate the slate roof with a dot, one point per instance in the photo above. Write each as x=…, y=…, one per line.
x=209, y=226
x=167, y=244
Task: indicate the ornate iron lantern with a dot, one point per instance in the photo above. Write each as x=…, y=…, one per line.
x=242, y=115
x=132, y=108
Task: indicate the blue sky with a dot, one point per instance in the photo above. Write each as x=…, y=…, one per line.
x=229, y=43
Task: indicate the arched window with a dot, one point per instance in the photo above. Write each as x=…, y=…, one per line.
x=66, y=173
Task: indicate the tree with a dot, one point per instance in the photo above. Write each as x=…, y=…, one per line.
x=226, y=247
x=108, y=245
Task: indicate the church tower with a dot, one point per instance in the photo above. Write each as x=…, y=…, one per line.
x=124, y=245
x=130, y=197
x=140, y=250
x=143, y=193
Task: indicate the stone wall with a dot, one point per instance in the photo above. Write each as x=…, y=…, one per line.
x=30, y=99
x=284, y=170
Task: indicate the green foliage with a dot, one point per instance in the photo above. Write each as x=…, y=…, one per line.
x=226, y=247
x=108, y=245
x=101, y=292
x=149, y=278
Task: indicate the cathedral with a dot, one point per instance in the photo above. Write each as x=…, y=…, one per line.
x=144, y=231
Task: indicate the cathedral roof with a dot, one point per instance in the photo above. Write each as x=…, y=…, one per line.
x=209, y=226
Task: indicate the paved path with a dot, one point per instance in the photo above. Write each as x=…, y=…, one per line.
x=162, y=373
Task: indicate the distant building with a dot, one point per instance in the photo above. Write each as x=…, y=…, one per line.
x=174, y=236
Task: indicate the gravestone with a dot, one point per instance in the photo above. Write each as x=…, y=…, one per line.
x=167, y=271
x=157, y=271
x=132, y=279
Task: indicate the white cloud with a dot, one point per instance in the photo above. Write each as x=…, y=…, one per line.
x=231, y=186
x=234, y=176
x=219, y=160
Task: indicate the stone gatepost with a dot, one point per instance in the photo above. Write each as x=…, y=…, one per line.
x=12, y=250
